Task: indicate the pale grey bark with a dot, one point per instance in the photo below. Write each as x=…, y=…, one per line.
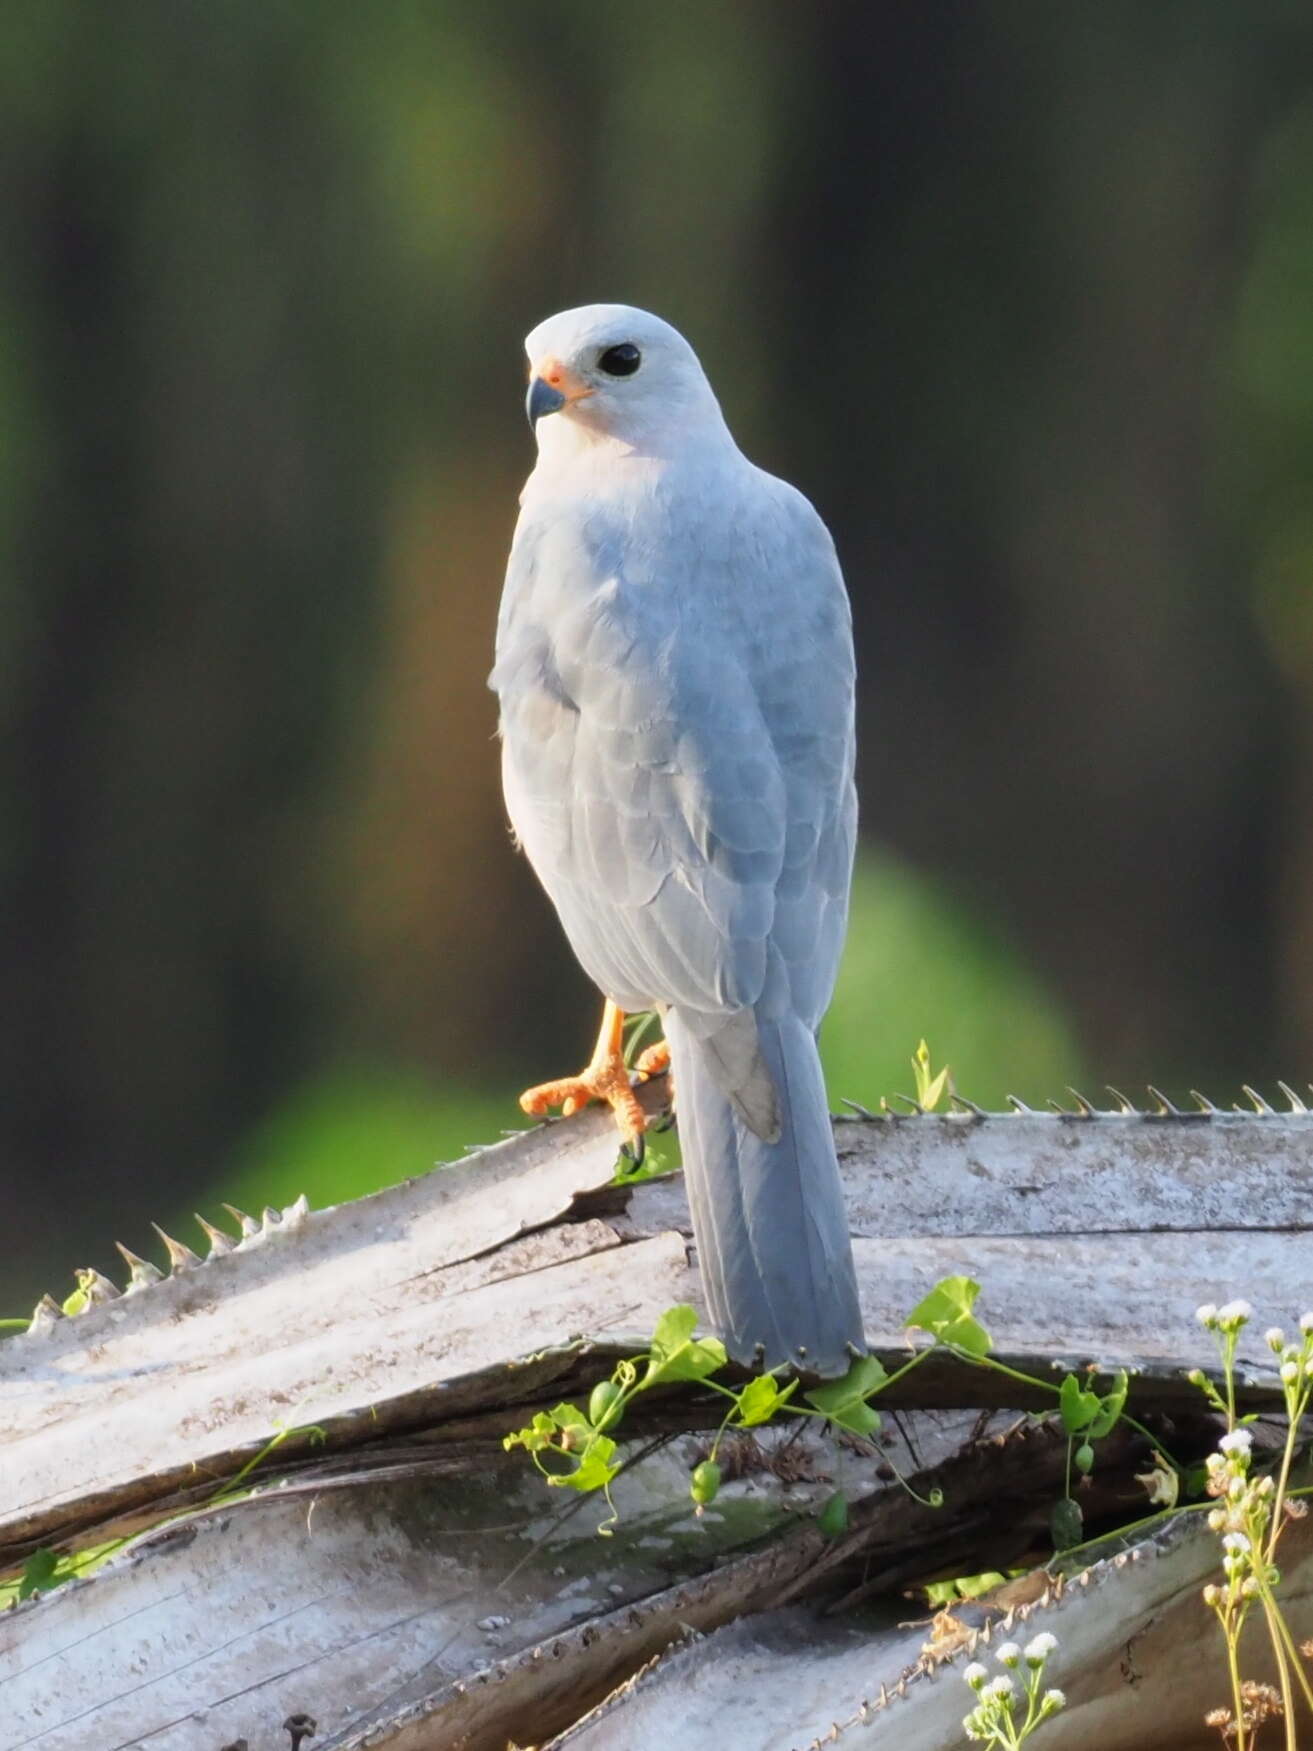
x=380, y=1588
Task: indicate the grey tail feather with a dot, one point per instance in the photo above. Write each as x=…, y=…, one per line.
x=768, y=1216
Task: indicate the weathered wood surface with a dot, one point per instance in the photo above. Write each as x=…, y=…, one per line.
x=408, y=1612
x=436, y=1299
x=1140, y=1660
x=381, y=1588
x=406, y=1609
x=359, y=1596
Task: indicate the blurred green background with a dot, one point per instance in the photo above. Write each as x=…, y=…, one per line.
x=1020, y=295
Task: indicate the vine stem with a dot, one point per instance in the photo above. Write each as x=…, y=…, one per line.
x=1048, y=1386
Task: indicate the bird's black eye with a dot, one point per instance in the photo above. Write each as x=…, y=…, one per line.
x=621, y=361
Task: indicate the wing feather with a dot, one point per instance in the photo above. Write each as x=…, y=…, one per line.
x=676, y=713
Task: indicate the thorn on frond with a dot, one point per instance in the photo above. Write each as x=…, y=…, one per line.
x=181, y=1258
x=220, y=1243
x=964, y=1105
x=296, y=1212
x=44, y=1316
x=144, y=1273
x=855, y=1106
x=248, y=1224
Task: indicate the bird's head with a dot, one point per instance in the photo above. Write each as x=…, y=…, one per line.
x=608, y=370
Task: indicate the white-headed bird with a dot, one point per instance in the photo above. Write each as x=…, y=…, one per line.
x=675, y=671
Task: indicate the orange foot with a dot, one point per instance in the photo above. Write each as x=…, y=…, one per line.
x=605, y=1079
x=655, y=1061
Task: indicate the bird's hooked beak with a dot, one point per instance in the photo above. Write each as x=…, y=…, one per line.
x=551, y=388
x=542, y=399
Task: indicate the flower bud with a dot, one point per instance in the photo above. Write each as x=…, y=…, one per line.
x=1039, y=1647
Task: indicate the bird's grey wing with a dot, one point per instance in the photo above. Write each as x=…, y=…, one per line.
x=804, y=678
x=639, y=775
x=677, y=758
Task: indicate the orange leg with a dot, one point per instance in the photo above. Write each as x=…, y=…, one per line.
x=606, y=1078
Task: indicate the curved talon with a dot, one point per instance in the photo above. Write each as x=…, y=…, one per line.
x=634, y=1149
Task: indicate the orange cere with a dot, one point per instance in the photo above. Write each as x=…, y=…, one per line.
x=568, y=382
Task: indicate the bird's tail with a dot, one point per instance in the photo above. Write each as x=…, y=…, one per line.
x=768, y=1216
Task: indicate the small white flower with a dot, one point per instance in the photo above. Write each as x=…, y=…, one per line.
x=1235, y=1541
x=1008, y=1654
x=1001, y=1686
x=975, y=1674
x=1238, y=1441
x=1236, y=1489
x=1207, y=1314
x=1214, y=1463
x=1216, y=1519
x=1234, y=1313
x=1290, y=1372
x=1041, y=1646
x=1274, y=1337
x=1053, y=1700
x=1306, y=1322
